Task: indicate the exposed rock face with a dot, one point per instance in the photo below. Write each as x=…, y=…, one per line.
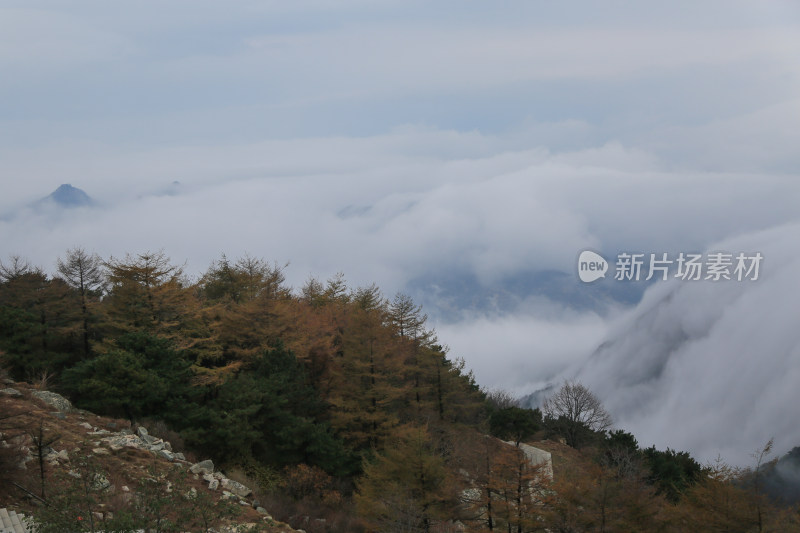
x=54, y=458
x=11, y=392
x=100, y=482
x=54, y=400
x=236, y=488
x=537, y=456
x=203, y=467
x=142, y=440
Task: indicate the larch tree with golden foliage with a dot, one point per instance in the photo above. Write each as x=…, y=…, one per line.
x=407, y=487
x=242, y=310
x=590, y=496
x=146, y=292
x=505, y=491
x=365, y=376
x=729, y=499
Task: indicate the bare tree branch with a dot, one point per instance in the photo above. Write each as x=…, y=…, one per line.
x=578, y=407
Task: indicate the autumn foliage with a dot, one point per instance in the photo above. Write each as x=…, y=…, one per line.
x=345, y=400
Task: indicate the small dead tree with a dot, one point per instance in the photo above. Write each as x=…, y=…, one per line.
x=574, y=409
x=41, y=442
x=760, y=457
x=12, y=452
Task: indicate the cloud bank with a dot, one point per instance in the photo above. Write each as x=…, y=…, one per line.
x=710, y=367
x=395, y=207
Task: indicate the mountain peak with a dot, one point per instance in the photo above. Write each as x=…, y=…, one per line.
x=68, y=196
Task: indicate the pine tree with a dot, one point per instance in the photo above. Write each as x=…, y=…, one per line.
x=37, y=320
x=143, y=375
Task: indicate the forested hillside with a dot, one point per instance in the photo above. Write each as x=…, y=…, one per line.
x=338, y=401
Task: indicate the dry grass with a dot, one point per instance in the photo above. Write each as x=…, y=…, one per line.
x=562, y=455
x=311, y=515
x=126, y=467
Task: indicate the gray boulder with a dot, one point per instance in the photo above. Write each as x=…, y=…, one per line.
x=54, y=400
x=165, y=454
x=203, y=467
x=236, y=488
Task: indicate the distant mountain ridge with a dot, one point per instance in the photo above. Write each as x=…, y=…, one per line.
x=782, y=478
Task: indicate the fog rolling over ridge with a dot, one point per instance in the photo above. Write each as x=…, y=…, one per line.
x=710, y=367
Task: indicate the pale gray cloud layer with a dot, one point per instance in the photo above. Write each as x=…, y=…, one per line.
x=718, y=360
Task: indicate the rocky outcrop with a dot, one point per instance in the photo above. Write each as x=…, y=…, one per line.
x=53, y=400
x=119, y=453
x=236, y=488
x=203, y=467
x=537, y=457
x=112, y=442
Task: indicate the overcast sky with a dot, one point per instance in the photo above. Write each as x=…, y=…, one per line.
x=404, y=141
